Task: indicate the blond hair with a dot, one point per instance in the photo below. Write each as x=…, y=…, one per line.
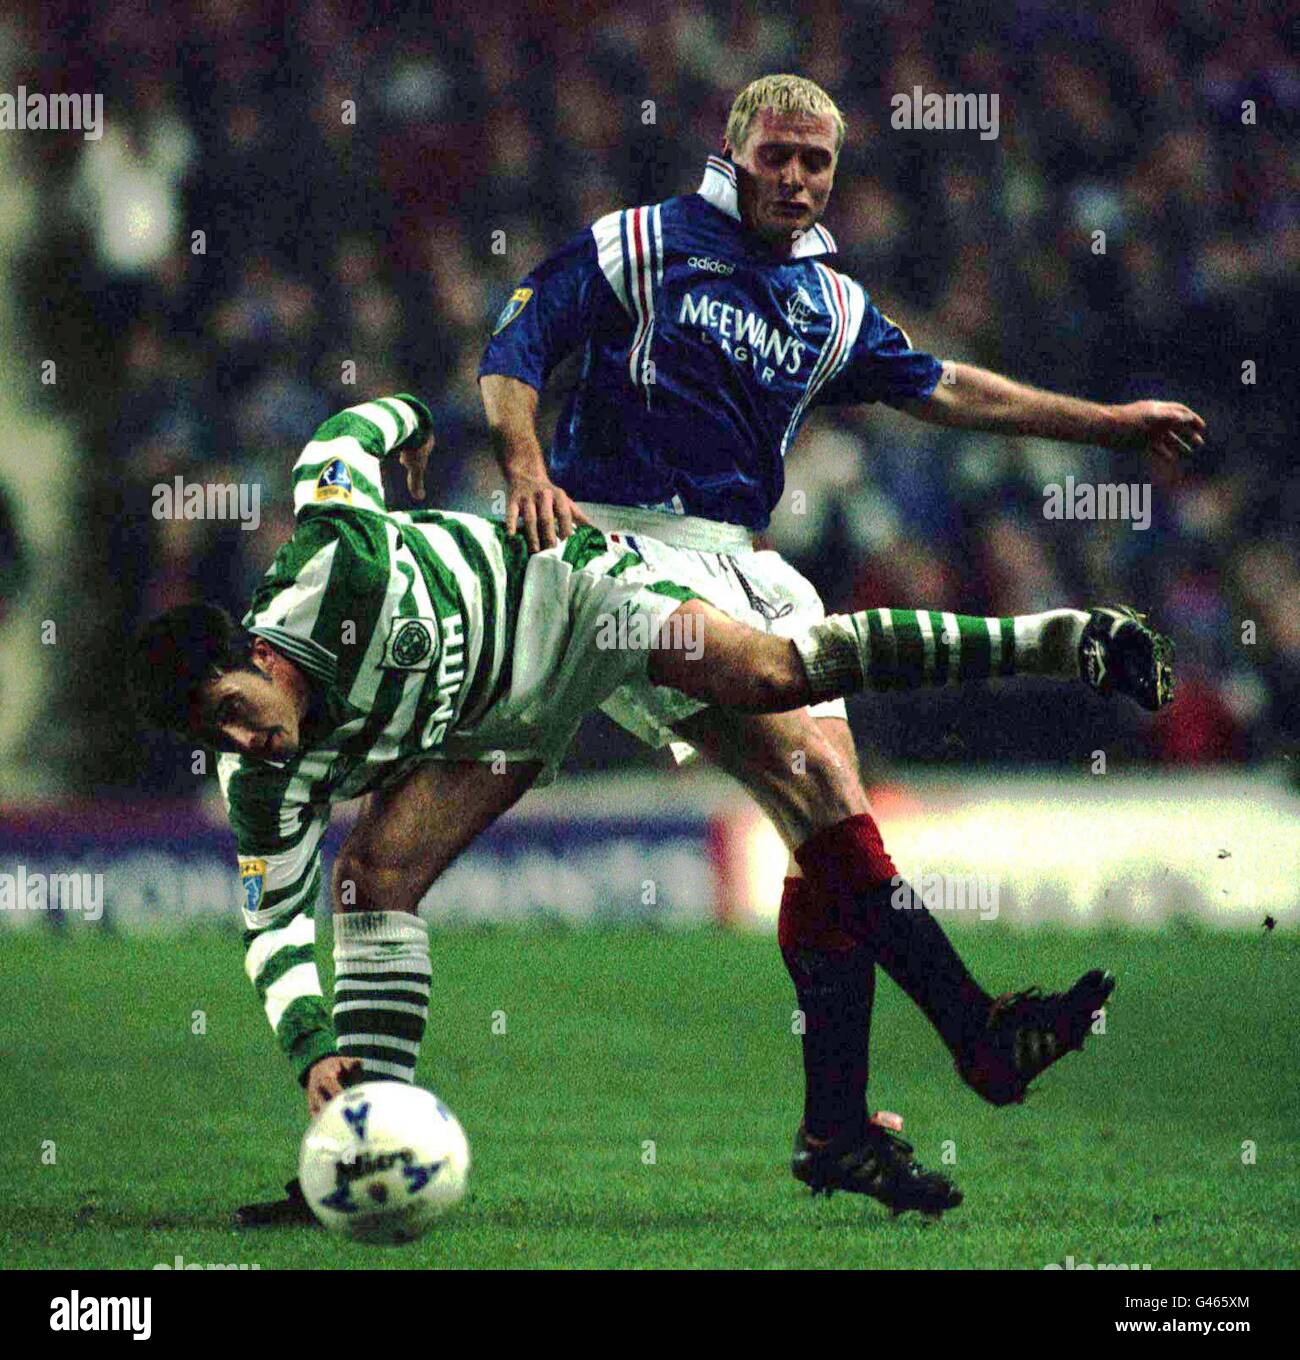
x=782, y=94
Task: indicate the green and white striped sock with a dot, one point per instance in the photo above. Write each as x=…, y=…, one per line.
x=899, y=649
x=382, y=980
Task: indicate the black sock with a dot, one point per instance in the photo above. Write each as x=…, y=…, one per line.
x=910, y=945
x=835, y=991
x=835, y=983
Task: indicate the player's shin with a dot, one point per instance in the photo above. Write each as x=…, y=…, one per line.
x=834, y=981
x=899, y=649
x=847, y=863
x=381, y=990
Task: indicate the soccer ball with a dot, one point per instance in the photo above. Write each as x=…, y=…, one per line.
x=382, y=1161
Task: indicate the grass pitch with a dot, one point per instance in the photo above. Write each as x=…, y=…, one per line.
x=639, y=1106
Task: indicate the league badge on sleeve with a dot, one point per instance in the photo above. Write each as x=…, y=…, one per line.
x=334, y=483
x=252, y=877
x=518, y=301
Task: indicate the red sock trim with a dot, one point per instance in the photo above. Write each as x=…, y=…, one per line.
x=847, y=857
x=809, y=920
x=790, y=917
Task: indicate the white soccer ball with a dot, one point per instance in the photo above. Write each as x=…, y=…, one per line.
x=382, y=1161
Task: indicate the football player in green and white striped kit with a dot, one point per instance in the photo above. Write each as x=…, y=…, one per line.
x=430, y=663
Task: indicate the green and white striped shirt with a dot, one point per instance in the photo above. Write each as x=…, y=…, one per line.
x=403, y=623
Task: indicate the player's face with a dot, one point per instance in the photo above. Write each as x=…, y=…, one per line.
x=785, y=172
x=252, y=713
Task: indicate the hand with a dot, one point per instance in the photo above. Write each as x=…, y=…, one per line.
x=1167, y=429
x=415, y=460
x=329, y=1076
x=542, y=510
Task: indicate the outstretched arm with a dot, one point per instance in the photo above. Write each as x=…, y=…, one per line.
x=280, y=875
x=969, y=398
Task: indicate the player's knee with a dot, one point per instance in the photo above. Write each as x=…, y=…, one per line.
x=674, y=659
x=364, y=881
x=821, y=786
x=774, y=675
x=802, y=791
x=711, y=657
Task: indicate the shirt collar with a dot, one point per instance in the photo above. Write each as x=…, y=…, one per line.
x=320, y=663
x=718, y=188
x=327, y=710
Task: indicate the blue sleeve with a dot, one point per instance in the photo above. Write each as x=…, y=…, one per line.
x=547, y=316
x=883, y=366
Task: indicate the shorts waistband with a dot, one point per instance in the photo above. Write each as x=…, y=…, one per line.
x=679, y=531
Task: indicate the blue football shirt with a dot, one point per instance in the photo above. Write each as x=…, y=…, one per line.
x=702, y=352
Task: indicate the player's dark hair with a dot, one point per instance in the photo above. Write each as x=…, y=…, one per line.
x=178, y=653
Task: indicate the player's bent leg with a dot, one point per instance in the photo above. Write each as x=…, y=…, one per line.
x=803, y=772
x=1000, y=1046
x=403, y=840
x=1023, y=1033
x=795, y=767
x=852, y=884
x=407, y=835
x=1109, y=650
x=710, y=657
x=853, y=888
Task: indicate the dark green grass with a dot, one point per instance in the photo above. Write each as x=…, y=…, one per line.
x=1129, y=1152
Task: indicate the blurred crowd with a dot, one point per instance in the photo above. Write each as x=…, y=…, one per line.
x=292, y=208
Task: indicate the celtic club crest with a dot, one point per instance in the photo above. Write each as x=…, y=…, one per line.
x=412, y=644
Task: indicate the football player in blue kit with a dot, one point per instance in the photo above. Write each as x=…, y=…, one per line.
x=709, y=325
